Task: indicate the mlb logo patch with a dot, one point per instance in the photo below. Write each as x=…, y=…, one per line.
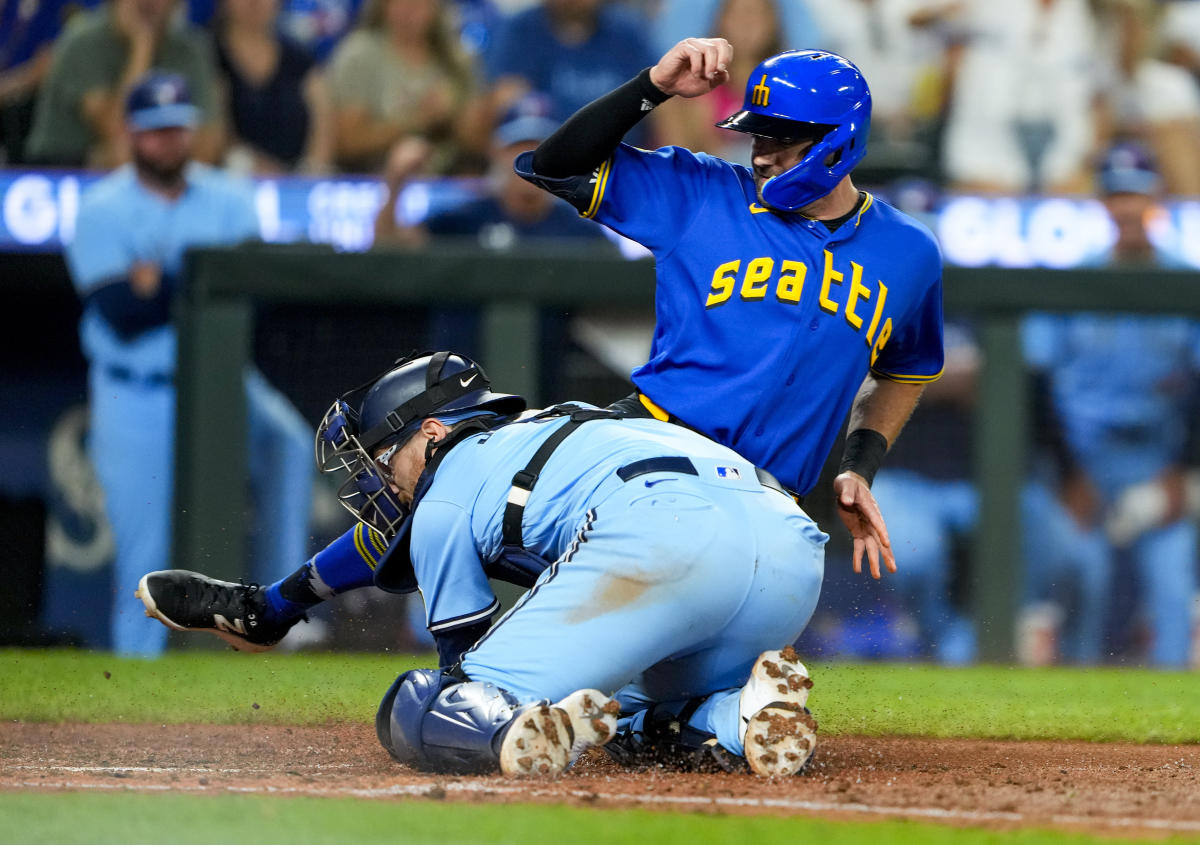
x=730, y=473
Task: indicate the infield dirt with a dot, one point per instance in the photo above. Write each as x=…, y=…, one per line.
x=1117, y=789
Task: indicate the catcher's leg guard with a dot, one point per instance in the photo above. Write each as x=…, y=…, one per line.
x=437, y=722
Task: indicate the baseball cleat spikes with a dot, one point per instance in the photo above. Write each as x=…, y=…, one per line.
x=779, y=741
x=545, y=739
x=780, y=734
x=189, y=601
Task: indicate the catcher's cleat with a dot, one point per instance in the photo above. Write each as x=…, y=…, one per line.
x=545, y=739
x=779, y=732
x=189, y=601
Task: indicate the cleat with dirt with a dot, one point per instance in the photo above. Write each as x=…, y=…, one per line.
x=545, y=740
x=779, y=732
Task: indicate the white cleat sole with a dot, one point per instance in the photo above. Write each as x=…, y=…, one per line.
x=779, y=741
x=780, y=732
x=546, y=739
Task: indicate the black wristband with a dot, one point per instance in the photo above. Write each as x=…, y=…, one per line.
x=864, y=453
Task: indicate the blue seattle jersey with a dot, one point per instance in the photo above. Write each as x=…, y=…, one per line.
x=767, y=323
x=121, y=223
x=457, y=524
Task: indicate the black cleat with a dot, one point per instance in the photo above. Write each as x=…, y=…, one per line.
x=189, y=601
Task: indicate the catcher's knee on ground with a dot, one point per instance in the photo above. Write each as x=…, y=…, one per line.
x=435, y=721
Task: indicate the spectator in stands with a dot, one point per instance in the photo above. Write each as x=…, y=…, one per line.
x=676, y=20
x=753, y=27
x=319, y=25
x=1118, y=395
x=280, y=111
x=1148, y=99
x=27, y=33
x=900, y=48
x=403, y=74
x=512, y=211
x=1180, y=31
x=572, y=50
x=79, y=118
x=1020, y=115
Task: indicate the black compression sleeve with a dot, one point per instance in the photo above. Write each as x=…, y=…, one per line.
x=589, y=136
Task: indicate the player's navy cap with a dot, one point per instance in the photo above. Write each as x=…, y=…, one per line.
x=528, y=119
x=160, y=100
x=1128, y=168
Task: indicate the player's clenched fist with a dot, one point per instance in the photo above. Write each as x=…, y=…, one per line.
x=693, y=67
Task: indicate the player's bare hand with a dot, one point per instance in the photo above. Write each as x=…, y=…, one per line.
x=693, y=67
x=861, y=516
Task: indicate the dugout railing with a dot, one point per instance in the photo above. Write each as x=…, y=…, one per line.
x=215, y=318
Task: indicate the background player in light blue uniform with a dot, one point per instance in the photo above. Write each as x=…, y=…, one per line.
x=1121, y=392
x=126, y=259
x=660, y=568
x=785, y=296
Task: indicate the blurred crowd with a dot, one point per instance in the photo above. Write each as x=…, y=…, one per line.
x=1014, y=97
x=1056, y=97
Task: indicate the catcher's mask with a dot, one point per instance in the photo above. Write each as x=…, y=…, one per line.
x=362, y=441
x=807, y=95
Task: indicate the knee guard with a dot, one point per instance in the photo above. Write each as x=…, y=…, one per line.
x=434, y=721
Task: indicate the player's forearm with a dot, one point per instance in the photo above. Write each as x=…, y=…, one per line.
x=884, y=406
x=590, y=135
x=879, y=413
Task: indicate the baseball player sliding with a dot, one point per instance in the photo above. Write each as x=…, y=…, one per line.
x=785, y=296
x=661, y=568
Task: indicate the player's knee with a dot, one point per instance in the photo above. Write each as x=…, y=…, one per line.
x=434, y=721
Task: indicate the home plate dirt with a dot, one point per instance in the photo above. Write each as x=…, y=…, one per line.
x=1110, y=788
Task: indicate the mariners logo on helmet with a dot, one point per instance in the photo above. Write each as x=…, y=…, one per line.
x=391, y=410
x=807, y=95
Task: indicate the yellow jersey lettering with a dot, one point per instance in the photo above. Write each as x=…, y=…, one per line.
x=722, y=283
x=857, y=291
x=791, y=281
x=884, y=335
x=831, y=277
x=878, y=312
x=758, y=272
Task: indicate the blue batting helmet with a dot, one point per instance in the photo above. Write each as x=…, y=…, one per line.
x=807, y=95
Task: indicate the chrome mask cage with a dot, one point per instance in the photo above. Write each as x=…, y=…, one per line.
x=366, y=492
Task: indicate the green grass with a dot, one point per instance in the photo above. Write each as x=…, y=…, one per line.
x=224, y=687
x=179, y=820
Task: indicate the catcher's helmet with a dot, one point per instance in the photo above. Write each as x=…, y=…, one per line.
x=392, y=409
x=807, y=95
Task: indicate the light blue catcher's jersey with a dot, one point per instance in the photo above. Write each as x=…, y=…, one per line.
x=1122, y=386
x=767, y=323
x=457, y=525
x=121, y=223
